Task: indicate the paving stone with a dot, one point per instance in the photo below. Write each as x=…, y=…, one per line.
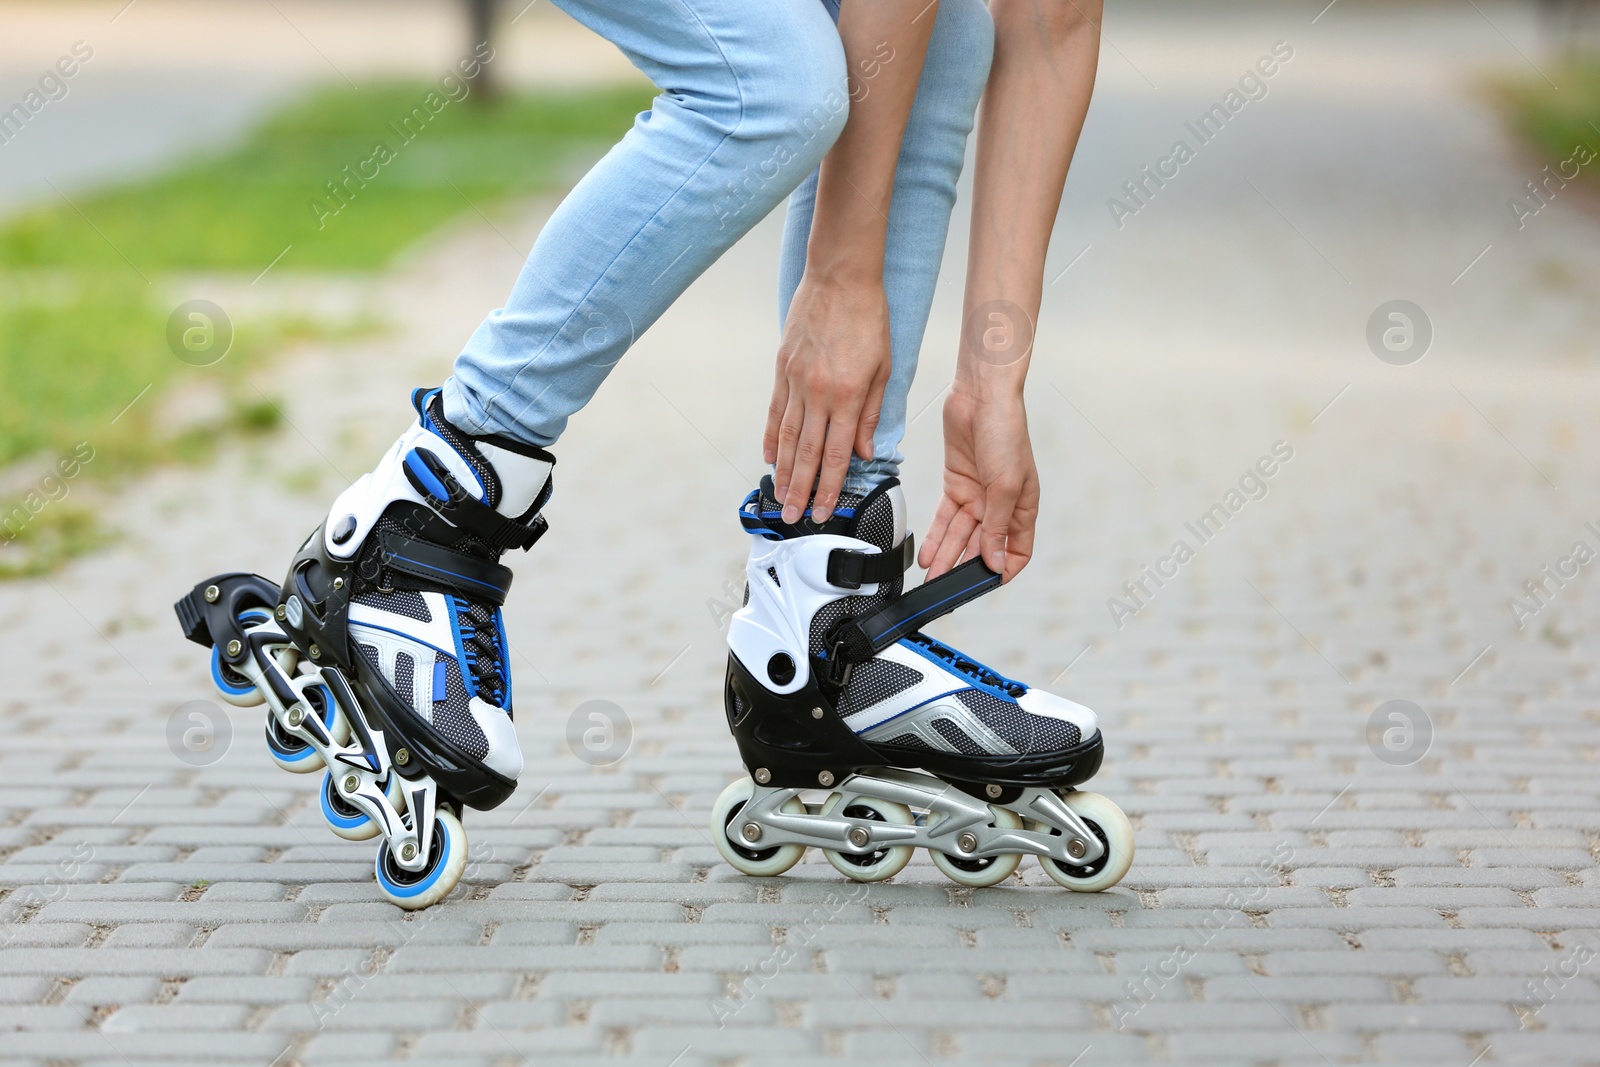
x=165, y=1017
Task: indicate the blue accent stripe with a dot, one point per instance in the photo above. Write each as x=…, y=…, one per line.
x=936, y=606
x=441, y=679
x=458, y=607
x=402, y=633
x=430, y=483
x=441, y=570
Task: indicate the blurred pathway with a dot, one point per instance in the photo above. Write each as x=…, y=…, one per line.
x=1305, y=893
x=164, y=78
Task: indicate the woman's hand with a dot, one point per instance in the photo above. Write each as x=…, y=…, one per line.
x=828, y=394
x=991, y=487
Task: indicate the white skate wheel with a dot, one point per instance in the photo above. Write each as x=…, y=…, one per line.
x=293, y=754
x=232, y=686
x=1113, y=829
x=344, y=818
x=447, y=860
x=759, y=863
x=880, y=863
x=981, y=873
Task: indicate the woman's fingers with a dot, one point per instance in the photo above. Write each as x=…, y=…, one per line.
x=788, y=443
x=836, y=449
x=936, y=531
x=775, y=412
x=999, y=505
x=807, y=456
x=954, y=542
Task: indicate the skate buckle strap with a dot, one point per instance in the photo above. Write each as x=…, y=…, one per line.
x=453, y=503
x=859, y=639
x=850, y=568
x=475, y=578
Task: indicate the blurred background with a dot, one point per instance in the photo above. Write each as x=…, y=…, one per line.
x=1387, y=262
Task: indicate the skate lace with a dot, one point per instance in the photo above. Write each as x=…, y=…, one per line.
x=482, y=652
x=970, y=667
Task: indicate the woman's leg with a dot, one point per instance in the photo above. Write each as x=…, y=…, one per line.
x=753, y=95
x=931, y=156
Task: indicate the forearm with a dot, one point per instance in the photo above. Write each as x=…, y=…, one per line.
x=884, y=44
x=1033, y=110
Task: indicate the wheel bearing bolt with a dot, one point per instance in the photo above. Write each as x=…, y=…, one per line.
x=1076, y=848
x=296, y=715
x=316, y=653
x=408, y=851
x=234, y=648
x=281, y=614
x=859, y=837
x=351, y=783
x=967, y=842
x=751, y=831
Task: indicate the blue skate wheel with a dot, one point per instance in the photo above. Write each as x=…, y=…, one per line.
x=447, y=860
x=233, y=686
x=344, y=818
x=293, y=754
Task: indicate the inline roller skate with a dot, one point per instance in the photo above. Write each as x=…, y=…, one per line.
x=383, y=658
x=868, y=739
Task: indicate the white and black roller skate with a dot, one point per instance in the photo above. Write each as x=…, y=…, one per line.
x=867, y=739
x=383, y=657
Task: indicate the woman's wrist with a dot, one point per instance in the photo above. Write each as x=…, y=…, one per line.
x=981, y=382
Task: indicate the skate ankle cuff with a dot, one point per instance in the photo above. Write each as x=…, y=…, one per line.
x=858, y=639
x=441, y=491
x=850, y=568
x=475, y=578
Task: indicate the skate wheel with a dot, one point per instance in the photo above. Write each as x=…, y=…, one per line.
x=762, y=862
x=979, y=873
x=344, y=818
x=447, y=860
x=880, y=863
x=232, y=686
x=294, y=753
x=1113, y=829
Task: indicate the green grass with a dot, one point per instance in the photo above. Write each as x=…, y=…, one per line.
x=240, y=210
x=83, y=330
x=1555, y=121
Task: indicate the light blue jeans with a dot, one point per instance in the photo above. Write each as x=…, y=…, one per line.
x=753, y=94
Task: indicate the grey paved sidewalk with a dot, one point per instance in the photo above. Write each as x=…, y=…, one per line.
x=1297, y=898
